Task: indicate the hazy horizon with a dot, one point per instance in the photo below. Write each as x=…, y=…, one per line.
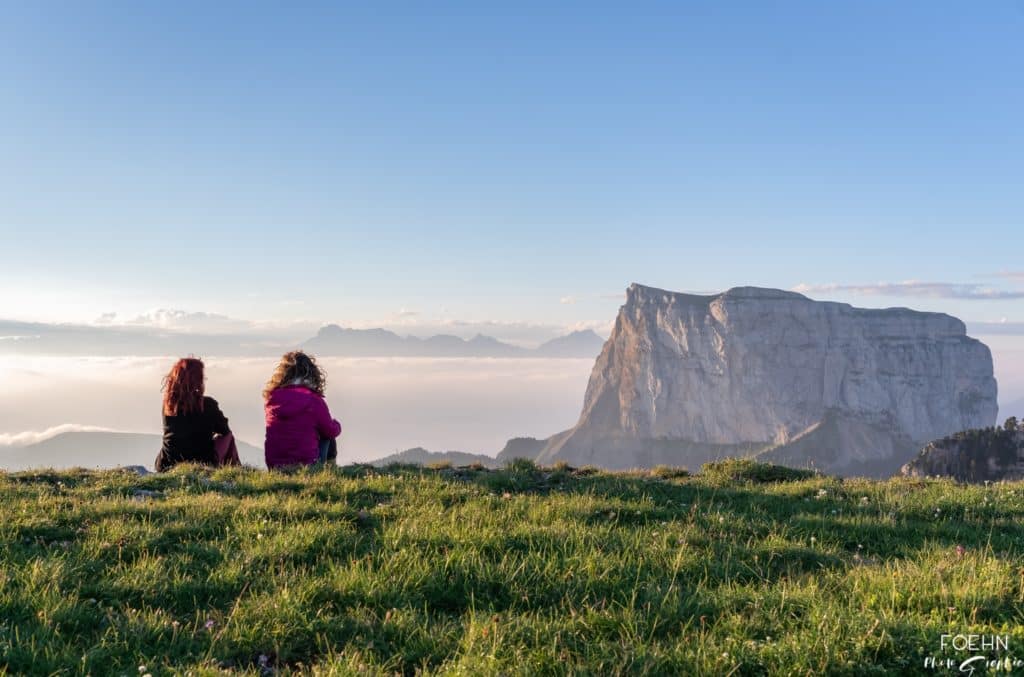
x=385, y=404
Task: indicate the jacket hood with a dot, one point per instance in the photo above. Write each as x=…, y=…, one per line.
x=289, y=401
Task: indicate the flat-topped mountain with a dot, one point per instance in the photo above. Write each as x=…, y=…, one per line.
x=341, y=341
x=686, y=378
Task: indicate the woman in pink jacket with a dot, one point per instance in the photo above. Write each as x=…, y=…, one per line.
x=300, y=428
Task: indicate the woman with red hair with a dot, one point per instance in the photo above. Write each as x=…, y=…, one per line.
x=192, y=421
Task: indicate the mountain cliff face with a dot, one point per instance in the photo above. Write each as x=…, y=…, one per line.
x=684, y=379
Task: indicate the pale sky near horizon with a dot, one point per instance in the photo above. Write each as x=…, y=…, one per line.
x=408, y=162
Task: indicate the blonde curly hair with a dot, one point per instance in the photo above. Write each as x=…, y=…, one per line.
x=296, y=368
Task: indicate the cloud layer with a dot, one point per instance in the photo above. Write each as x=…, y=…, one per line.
x=23, y=439
x=996, y=328
x=385, y=404
x=1011, y=274
x=943, y=290
x=180, y=320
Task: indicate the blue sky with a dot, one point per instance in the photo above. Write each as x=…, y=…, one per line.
x=519, y=164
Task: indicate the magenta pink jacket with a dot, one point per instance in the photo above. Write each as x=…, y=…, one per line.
x=297, y=419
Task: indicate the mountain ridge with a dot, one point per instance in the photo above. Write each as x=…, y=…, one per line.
x=334, y=340
x=38, y=338
x=421, y=456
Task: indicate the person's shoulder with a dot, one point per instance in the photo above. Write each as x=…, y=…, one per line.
x=210, y=402
x=303, y=390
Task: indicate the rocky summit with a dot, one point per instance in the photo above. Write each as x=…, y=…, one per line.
x=684, y=379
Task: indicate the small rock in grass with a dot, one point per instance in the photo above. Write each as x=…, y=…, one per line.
x=145, y=494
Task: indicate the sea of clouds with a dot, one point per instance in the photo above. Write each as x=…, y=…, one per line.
x=385, y=404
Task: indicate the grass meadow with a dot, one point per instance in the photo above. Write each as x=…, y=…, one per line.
x=743, y=569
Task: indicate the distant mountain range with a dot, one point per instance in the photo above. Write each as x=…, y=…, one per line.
x=39, y=338
x=420, y=456
x=99, y=450
x=517, y=447
x=335, y=340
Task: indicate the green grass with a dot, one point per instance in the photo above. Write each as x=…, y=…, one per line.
x=741, y=570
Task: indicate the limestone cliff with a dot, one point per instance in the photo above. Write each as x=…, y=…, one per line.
x=685, y=378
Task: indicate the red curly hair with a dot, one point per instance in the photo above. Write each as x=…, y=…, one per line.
x=184, y=387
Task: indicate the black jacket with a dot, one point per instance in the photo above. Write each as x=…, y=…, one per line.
x=189, y=438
